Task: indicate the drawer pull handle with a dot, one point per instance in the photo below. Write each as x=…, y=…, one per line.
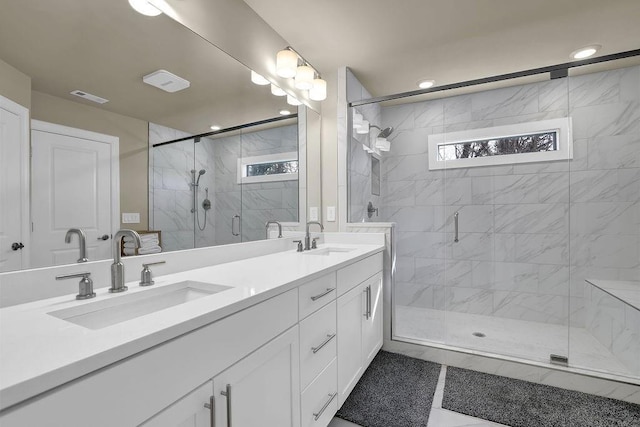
x=227, y=393
x=325, y=342
x=211, y=406
x=317, y=415
x=327, y=292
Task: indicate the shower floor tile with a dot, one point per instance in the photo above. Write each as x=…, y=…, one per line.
x=509, y=337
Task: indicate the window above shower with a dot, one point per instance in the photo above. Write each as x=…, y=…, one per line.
x=268, y=168
x=539, y=141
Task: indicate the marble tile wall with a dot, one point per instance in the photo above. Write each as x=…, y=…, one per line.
x=529, y=233
x=257, y=202
x=359, y=164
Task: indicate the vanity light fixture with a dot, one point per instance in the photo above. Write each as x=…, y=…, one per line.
x=144, y=7
x=275, y=90
x=357, y=119
x=290, y=63
x=285, y=112
x=585, y=52
x=426, y=84
x=258, y=79
x=383, y=144
x=292, y=100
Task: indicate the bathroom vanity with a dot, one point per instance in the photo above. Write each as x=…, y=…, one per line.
x=274, y=340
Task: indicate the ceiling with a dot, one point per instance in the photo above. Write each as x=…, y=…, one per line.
x=105, y=48
x=391, y=45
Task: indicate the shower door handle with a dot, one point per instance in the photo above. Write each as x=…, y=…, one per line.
x=233, y=223
x=455, y=225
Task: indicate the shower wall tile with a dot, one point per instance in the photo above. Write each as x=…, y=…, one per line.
x=532, y=218
x=408, y=142
x=614, y=152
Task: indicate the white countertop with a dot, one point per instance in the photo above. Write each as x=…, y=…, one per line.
x=627, y=291
x=39, y=352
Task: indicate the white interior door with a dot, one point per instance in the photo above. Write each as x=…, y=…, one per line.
x=14, y=186
x=74, y=185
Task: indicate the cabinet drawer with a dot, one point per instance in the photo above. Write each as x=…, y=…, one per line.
x=352, y=275
x=319, y=400
x=316, y=293
x=317, y=342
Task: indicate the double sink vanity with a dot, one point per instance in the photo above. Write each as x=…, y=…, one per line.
x=278, y=339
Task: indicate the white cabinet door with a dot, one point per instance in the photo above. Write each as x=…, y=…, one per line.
x=14, y=185
x=190, y=411
x=350, y=322
x=263, y=389
x=372, y=323
x=74, y=185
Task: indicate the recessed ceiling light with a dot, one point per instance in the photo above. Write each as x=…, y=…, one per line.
x=426, y=84
x=585, y=52
x=214, y=127
x=285, y=112
x=144, y=7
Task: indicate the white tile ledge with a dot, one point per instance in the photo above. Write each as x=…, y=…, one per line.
x=626, y=291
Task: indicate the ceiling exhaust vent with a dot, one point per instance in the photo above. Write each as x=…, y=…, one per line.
x=89, y=97
x=162, y=79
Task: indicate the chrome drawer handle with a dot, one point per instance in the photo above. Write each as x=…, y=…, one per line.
x=327, y=292
x=227, y=393
x=211, y=406
x=317, y=415
x=325, y=342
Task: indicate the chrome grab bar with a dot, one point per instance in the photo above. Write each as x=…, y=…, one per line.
x=455, y=222
x=233, y=223
x=325, y=342
x=318, y=414
x=327, y=292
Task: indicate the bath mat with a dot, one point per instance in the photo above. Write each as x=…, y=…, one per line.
x=395, y=391
x=520, y=403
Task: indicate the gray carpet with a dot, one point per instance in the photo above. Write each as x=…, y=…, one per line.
x=524, y=404
x=395, y=391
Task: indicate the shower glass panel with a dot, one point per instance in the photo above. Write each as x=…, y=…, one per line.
x=605, y=220
x=506, y=274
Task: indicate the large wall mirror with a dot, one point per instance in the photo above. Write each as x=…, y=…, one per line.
x=260, y=165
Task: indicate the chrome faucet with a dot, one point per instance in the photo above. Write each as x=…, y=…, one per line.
x=82, y=238
x=266, y=228
x=307, y=236
x=117, y=268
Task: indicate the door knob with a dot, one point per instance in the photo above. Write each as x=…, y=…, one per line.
x=15, y=246
x=104, y=237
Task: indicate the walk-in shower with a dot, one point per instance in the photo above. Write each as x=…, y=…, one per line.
x=517, y=210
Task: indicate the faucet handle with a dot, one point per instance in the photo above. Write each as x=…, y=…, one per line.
x=146, y=275
x=314, y=245
x=85, y=287
x=299, y=242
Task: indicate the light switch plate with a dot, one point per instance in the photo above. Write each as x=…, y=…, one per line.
x=131, y=218
x=313, y=214
x=331, y=213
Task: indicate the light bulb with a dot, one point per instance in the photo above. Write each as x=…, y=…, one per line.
x=258, y=79
x=318, y=91
x=304, y=77
x=144, y=7
x=275, y=90
x=286, y=63
x=292, y=100
x=357, y=119
x=383, y=144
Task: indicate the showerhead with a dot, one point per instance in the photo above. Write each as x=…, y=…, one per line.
x=384, y=133
x=200, y=173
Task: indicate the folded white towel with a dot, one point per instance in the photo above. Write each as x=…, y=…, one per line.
x=143, y=251
x=150, y=250
x=143, y=237
x=145, y=243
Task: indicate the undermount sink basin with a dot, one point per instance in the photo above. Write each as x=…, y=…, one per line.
x=100, y=314
x=328, y=251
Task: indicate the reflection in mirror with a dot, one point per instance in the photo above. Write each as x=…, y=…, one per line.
x=48, y=52
x=223, y=188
